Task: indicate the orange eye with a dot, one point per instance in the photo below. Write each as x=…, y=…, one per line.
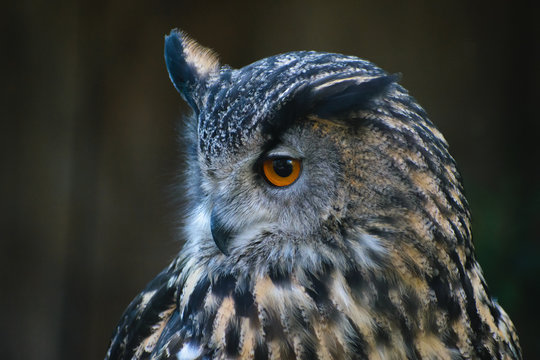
x=281, y=171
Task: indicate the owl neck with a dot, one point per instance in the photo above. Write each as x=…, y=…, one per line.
x=372, y=301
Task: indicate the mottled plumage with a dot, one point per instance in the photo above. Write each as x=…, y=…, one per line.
x=367, y=254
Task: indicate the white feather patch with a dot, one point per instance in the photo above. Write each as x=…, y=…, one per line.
x=189, y=352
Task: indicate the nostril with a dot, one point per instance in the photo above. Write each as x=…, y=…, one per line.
x=220, y=232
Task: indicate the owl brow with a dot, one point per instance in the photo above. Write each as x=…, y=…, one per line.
x=326, y=98
x=272, y=142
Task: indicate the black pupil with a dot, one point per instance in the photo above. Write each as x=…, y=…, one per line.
x=283, y=167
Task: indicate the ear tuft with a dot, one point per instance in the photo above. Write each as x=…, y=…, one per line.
x=203, y=60
x=188, y=63
x=338, y=96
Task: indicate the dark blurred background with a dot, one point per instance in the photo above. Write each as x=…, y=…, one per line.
x=90, y=151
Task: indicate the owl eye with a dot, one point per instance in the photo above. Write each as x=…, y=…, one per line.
x=281, y=171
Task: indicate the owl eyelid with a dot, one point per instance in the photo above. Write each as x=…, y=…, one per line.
x=283, y=153
x=281, y=156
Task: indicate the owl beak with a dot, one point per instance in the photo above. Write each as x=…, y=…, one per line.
x=220, y=232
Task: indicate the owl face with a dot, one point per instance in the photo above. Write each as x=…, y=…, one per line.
x=305, y=158
x=265, y=200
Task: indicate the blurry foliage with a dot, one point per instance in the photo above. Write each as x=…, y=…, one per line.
x=507, y=248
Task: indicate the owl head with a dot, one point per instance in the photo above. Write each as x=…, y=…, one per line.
x=306, y=159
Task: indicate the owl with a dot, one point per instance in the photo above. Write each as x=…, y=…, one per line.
x=326, y=220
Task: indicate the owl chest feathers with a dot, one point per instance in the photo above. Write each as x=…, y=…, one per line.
x=325, y=314
x=371, y=309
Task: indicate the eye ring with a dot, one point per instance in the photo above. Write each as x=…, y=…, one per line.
x=281, y=171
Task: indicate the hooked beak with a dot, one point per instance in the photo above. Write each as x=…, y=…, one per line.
x=220, y=232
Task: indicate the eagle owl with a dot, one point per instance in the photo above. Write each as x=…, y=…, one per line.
x=327, y=221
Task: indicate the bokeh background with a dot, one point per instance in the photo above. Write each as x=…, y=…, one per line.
x=90, y=153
